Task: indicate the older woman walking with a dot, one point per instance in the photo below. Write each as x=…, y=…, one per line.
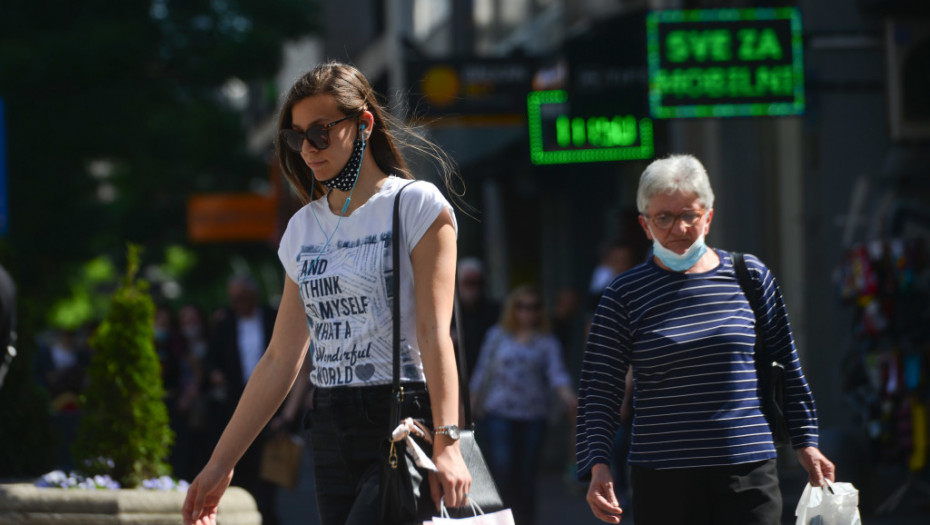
x=701, y=451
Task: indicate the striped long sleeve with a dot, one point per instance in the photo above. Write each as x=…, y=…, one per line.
x=690, y=339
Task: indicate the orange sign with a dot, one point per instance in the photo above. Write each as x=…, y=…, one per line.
x=230, y=217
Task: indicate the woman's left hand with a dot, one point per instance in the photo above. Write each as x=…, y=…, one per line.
x=452, y=481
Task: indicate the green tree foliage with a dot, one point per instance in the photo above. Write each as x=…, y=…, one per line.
x=124, y=431
x=129, y=91
x=137, y=85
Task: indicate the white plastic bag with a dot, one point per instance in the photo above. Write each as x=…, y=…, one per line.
x=834, y=504
x=501, y=517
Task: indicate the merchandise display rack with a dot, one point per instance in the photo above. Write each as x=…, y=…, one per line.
x=887, y=370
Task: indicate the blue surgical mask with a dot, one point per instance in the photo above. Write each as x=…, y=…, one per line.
x=679, y=262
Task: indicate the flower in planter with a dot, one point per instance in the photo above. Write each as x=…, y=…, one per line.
x=76, y=480
x=165, y=483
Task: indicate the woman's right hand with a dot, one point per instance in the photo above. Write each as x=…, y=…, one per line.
x=203, y=496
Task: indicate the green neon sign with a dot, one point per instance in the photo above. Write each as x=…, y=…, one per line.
x=725, y=62
x=557, y=136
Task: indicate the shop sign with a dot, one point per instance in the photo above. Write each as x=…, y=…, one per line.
x=563, y=134
x=231, y=217
x=479, y=86
x=725, y=62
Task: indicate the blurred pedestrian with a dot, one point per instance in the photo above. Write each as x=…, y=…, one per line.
x=567, y=321
x=339, y=150
x=567, y=324
x=169, y=346
x=193, y=402
x=478, y=312
x=170, y=349
x=519, y=366
x=615, y=258
x=239, y=339
x=61, y=366
x=701, y=451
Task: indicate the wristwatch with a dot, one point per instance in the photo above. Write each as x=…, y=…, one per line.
x=448, y=430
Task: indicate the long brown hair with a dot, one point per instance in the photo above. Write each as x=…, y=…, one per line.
x=353, y=95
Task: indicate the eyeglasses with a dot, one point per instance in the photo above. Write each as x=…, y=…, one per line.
x=664, y=221
x=317, y=135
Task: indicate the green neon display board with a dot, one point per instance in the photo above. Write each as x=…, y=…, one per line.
x=557, y=136
x=725, y=62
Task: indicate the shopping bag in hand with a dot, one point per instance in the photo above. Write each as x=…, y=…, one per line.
x=478, y=517
x=832, y=504
x=280, y=462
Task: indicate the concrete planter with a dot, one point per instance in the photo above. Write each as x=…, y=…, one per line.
x=23, y=503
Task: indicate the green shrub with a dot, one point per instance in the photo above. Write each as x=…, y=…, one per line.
x=124, y=431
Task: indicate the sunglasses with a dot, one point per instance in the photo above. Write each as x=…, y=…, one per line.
x=318, y=135
x=527, y=306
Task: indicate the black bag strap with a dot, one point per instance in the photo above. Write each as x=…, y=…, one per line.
x=752, y=295
x=395, y=286
x=464, y=392
x=770, y=373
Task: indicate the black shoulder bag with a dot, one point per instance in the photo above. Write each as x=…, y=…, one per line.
x=483, y=489
x=401, y=498
x=770, y=373
x=402, y=486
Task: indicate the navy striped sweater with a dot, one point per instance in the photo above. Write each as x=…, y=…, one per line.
x=689, y=338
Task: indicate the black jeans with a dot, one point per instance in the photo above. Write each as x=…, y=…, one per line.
x=348, y=427
x=746, y=494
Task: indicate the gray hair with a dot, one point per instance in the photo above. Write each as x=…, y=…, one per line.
x=674, y=174
x=470, y=265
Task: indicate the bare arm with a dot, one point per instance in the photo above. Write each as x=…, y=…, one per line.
x=270, y=381
x=433, y=261
x=296, y=399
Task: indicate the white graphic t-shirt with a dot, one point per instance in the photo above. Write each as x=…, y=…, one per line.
x=346, y=289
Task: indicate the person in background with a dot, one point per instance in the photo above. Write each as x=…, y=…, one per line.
x=61, y=367
x=477, y=310
x=519, y=366
x=240, y=337
x=567, y=322
x=194, y=328
x=682, y=322
x=170, y=348
x=615, y=257
x=193, y=403
x=338, y=148
x=567, y=325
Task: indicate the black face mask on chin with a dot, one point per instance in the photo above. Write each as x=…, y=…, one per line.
x=345, y=179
